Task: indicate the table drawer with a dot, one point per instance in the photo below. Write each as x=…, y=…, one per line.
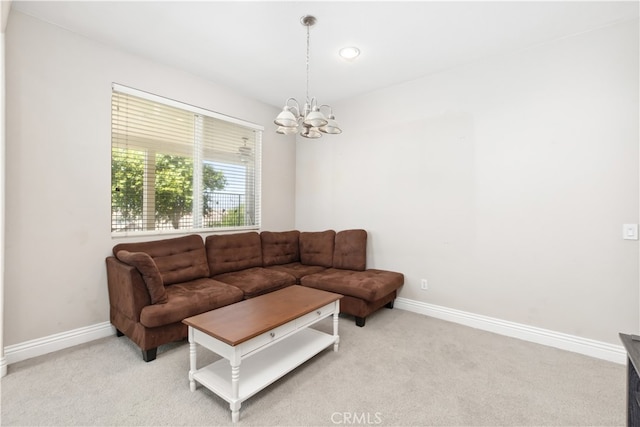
x=266, y=338
x=315, y=315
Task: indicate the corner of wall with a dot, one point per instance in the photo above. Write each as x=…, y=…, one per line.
x=5, y=6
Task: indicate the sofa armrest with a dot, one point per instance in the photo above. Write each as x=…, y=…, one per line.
x=128, y=293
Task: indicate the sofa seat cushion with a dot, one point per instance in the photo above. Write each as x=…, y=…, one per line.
x=368, y=285
x=257, y=281
x=297, y=269
x=178, y=259
x=188, y=299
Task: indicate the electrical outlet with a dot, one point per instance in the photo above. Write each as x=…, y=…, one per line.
x=424, y=285
x=630, y=231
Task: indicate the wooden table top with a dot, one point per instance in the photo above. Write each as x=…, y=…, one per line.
x=239, y=322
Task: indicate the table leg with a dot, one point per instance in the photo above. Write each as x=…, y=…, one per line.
x=336, y=313
x=235, y=390
x=192, y=360
x=633, y=386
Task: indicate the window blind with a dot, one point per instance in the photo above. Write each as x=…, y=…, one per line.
x=179, y=167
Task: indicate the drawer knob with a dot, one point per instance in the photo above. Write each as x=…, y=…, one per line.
x=319, y=312
x=273, y=334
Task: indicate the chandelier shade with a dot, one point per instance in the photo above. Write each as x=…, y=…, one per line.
x=309, y=121
x=286, y=118
x=287, y=130
x=315, y=119
x=331, y=126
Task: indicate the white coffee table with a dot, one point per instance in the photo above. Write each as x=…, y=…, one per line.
x=268, y=335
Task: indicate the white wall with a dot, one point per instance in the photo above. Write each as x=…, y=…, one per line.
x=58, y=170
x=505, y=183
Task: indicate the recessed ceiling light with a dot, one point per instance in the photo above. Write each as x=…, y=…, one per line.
x=349, y=52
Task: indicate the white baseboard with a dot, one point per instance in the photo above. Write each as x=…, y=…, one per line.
x=38, y=347
x=3, y=366
x=588, y=347
x=613, y=353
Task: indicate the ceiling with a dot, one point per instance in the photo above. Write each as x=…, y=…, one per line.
x=259, y=48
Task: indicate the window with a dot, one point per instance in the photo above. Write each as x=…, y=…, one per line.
x=178, y=167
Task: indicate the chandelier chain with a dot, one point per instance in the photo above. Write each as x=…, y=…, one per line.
x=308, y=39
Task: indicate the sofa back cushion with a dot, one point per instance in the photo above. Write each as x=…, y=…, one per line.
x=178, y=259
x=233, y=252
x=350, y=252
x=316, y=247
x=280, y=247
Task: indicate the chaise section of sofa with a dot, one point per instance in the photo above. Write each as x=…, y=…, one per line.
x=365, y=290
x=154, y=285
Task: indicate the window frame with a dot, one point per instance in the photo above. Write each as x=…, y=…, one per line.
x=255, y=171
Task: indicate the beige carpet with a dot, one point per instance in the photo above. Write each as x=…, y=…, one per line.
x=402, y=368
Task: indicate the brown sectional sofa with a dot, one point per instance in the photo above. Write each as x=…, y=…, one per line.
x=154, y=285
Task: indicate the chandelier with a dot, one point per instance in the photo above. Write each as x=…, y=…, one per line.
x=309, y=121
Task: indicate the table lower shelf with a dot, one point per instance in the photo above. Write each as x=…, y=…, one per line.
x=263, y=368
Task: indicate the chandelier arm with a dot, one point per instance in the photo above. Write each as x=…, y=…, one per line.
x=295, y=107
x=328, y=106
